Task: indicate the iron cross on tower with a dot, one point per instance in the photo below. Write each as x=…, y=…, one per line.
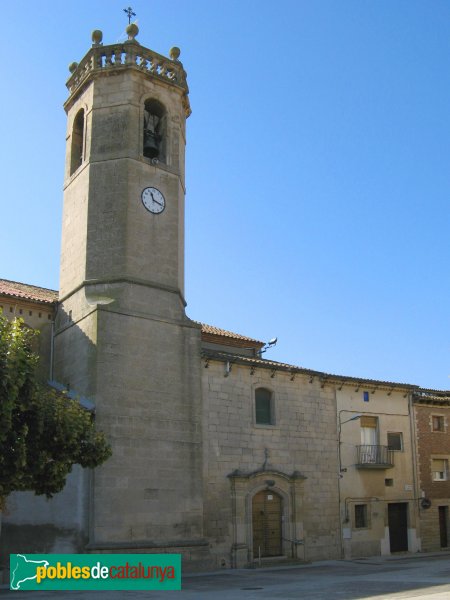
x=130, y=13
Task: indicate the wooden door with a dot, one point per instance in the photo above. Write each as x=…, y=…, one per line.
x=398, y=526
x=266, y=519
x=443, y=520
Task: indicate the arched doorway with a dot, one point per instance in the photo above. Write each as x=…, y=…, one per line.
x=266, y=520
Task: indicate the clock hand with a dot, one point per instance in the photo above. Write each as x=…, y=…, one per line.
x=154, y=200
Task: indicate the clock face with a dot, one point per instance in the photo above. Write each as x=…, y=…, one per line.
x=153, y=200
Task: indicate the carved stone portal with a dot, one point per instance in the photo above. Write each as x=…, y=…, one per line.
x=287, y=490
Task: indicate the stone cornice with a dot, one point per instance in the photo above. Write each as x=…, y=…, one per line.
x=322, y=378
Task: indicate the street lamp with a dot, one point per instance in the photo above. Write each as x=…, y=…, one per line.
x=270, y=344
x=354, y=418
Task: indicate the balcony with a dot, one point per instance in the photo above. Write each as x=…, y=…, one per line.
x=374, y=457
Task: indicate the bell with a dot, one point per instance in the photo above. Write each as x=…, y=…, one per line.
x=151, y=149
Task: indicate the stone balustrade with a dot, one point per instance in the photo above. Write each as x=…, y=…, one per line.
x=124, y=55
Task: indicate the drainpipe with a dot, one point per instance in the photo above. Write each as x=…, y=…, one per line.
x=52, y=343
x=339, y=475
x=52, y=338
x=415, y=469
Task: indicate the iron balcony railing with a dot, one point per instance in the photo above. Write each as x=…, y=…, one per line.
x=374, y=457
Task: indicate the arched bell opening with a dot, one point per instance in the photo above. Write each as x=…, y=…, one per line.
x=155, y=131
x=76, y=148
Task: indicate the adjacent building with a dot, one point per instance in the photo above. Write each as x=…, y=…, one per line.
x=431, y=423
x=378, y=492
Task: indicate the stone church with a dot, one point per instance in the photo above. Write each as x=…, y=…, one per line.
x=218, y=454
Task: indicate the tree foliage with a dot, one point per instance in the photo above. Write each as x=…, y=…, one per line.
x=42, y=432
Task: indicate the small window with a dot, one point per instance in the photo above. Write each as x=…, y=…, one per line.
x=263, y=407
x=439, y=468
x=389, y=482
x=395, y=441
x=437, y=423
x=361, y=516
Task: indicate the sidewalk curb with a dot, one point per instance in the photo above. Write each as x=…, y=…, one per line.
x=320, y=563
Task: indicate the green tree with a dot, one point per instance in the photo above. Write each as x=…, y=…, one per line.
x=42, y=432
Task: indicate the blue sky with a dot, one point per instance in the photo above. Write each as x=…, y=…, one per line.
x=318, y=178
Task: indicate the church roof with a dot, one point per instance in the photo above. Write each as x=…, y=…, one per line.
x=25, y=291
x=264, y=363
x=420, y=395
x=210, y=330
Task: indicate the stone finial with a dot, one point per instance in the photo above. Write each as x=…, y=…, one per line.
x=97, y=37
x=174, y=53
x=132, y=31
x=73, y=67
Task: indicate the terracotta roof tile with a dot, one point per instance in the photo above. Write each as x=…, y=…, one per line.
x=210, y=330
x=15, y=289
x=432, y=397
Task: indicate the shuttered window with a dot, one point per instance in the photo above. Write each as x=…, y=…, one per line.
x=439, y=468
x=366, y=421
x=438, y=423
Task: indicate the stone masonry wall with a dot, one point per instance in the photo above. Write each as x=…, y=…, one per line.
x=303, y=438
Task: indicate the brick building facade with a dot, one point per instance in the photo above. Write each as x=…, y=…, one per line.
x=432, y=425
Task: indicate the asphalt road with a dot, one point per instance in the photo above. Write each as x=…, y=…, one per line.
x=418, y=577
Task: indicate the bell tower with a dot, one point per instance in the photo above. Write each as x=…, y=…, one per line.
x=126, y=112
x=122, y=336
